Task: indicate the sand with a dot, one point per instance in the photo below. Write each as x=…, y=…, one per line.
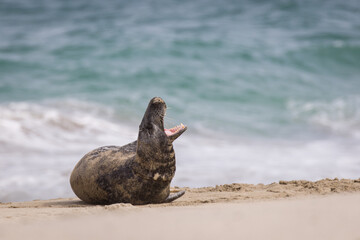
x=325, y=209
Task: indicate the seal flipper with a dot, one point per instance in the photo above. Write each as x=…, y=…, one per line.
x=174, y=196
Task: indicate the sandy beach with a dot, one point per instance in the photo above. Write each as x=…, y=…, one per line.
x=325, y=209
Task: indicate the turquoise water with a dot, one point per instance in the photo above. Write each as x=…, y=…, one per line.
x=269, y=90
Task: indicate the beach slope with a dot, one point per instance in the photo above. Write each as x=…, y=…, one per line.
x=325, y=209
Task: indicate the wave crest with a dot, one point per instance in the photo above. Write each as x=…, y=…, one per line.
x=340, y=116
x=54, y=125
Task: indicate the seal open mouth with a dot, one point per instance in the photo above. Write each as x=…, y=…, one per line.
x=174, y=130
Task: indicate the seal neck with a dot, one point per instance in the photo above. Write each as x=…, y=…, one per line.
x=155, y=171
x=155, y=163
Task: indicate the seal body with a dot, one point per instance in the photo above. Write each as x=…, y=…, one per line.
x=137, y=173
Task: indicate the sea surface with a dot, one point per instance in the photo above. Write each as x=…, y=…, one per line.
x=269, y=90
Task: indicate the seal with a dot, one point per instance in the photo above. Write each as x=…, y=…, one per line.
x=137, y=173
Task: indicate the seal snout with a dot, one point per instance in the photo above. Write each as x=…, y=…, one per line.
x=157, y=100
x=157, y=107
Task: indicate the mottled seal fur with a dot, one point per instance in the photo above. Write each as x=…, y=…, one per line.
x=137, y=173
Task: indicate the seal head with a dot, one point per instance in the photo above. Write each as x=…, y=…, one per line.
x=154, y=141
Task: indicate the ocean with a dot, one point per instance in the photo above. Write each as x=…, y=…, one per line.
x=269, y=90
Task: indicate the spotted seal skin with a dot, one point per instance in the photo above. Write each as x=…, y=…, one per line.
x=137, y=173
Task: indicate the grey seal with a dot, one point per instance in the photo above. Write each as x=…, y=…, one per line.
x=137, y=173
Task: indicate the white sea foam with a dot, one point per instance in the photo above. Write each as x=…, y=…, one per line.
x=211, y=161
x=216, y=159
x=55, y=126
x=340, y=116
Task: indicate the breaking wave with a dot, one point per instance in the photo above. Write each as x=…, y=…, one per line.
x=55, y=126
x=340, y=116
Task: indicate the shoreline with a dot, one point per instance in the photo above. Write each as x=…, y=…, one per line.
x=324, y=209
x=233, y=192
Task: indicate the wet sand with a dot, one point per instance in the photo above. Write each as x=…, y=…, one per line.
x=325, y=209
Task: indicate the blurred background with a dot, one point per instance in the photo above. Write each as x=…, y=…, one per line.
x=269, y=90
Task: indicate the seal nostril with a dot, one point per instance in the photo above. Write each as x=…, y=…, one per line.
x=157, y=100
